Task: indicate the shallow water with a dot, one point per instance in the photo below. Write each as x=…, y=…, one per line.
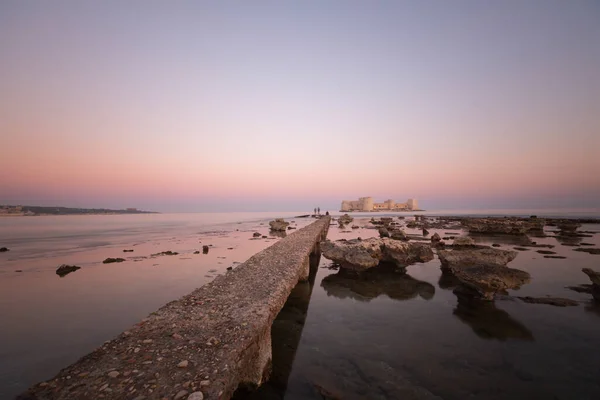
x=48, y=322
x=389, y=336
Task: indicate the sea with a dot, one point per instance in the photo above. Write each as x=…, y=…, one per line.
x=387, y=337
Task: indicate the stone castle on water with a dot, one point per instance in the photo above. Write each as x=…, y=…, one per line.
x=367, y=204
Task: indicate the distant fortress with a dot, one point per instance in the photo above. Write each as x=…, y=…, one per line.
x=367, y=204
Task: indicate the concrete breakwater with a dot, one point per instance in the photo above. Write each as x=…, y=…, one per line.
x=204, y=345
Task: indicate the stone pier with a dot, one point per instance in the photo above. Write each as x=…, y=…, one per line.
x=202, y=346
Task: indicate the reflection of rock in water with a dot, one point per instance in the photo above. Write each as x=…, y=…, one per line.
x=363, y=379
x=280, y=234
x=489, y=322
x=285, y=337
x=448, y=280
x=517, y=240
x=375, y=282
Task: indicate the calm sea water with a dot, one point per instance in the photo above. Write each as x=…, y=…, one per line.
x=384, y=338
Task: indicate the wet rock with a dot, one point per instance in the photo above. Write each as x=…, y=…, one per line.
x=475, y=255
x=4, y=249
x=363, y=254
x=183, y=364
x=256, y=235
x=436, y=237
x=595, y=278
x=510, y=226
x=128, y=251
x=483, y=282
x=585, y=288
x=383, y=233
x=113, y=260
x=496, y=245
x=65, y=269
x=196, y=396
x=551, y=301
x=568, y=226
x=463, y=241
x=588, y=250
x=278, y=225
x=264, y=236
x=197, y=252
x=556, y=257
x=205, y=249
x=521, y=248
x=355, y=226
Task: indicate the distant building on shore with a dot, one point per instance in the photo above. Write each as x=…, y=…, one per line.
x=367, y=204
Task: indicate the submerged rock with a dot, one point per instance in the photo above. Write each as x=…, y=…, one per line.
x=256, y=234
x=551, y=301
x=278, y=225
x=205, y=249
x=588, y=250
x=364, y=254
x=475, y=255
x=111, y=260
x=165, y=253
x=4, y=249
x=65, y=269
x=128, y=251
x=595, y=278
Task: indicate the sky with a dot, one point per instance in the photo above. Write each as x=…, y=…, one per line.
x=289, y=105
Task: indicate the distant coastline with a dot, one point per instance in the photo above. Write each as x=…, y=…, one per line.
x=34, y=211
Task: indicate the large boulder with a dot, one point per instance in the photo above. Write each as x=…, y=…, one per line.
x=511, y=226
x=278, y=225
x=436, y=237
x=463, y=241
x=364, y=254
x=595, y=278
x=65, y=269
x=398, y=234
x=484, y=281
x=383, y=232
x=464, y=256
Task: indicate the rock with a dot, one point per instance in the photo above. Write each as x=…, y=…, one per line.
x=278, y=224
x=463, y=241
x=66, y=269
x=291, y=227
x=511, y=226
x=484, y=281
x=180, y=395
x=128, y=251
x=557, y=257
x=568, y=226
x=595, y=278
x=363, y=254
x=345, y=219
x=458, y=257
x=585, y=288
x=398, y=234
x=113, y=374
x=205, y=249
x=183, y=364
x=425, y=232
x=495, y=245
x=113, y=260
x=197, y=252
x=355, y=226
x=264, y=236
x=196, y=396
x=4, y=249
x=551, y=301
x=256, y=235
x=545, y=252
x=383, y=233
x=436, y=238
x=165, y=253
x=588, y=250
x=521, y=248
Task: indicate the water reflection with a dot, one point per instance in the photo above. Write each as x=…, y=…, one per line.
x=486, y=238
x=448, y=280
x=285, y=337
x=490, y=322
x=280, y=234
x=384, y=279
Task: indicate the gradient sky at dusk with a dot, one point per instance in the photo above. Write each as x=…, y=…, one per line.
x=282, y=105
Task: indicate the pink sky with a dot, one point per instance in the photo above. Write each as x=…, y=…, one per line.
x=299, y=106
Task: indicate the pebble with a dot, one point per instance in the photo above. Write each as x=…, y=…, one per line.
x=43, y=384
x=183, y=364
x=177, y=336
x=196, y=396
x=180, y=394
x=113, y=374
x=104, y=387
x=136, y=349
x=147, y=341
x=204, y=383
